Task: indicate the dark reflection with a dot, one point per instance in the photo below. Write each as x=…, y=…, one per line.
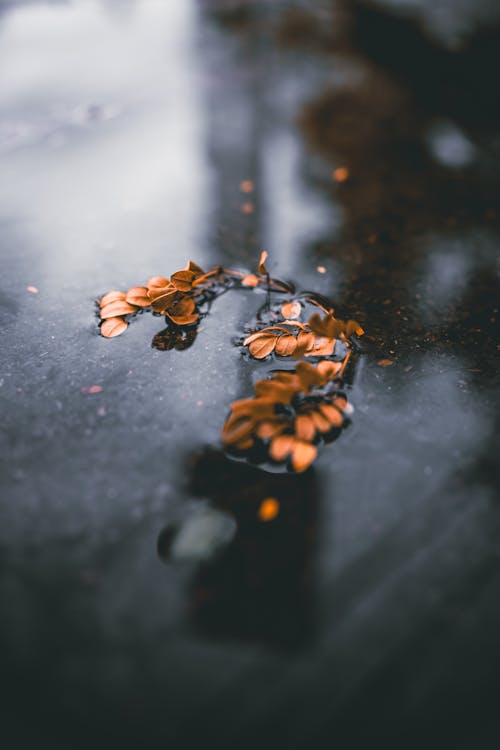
x=259, y=584
x=175, y=337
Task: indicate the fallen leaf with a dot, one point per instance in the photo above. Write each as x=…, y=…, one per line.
x=116, y=309
x=322, y=347
x=353, y=327
x=291, y=309
x=183, y=311
x=182, y=280
x=111, y=297
x=194, y=268
x=286, y=345
x=281, y=447
x=266, y=430
x=331, y=413
x=237, y=430
x=328, y=369
x=162, y=297
x=385, y=363
x=321, y=423
x=262, y=346
x=113, y=327
x=303, y=455
x=138, y=295
x=261, y=268
x=156, y=282
x=304, y=427
x=250, y=280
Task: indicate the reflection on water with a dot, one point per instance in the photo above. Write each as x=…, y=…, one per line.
x=261, y=585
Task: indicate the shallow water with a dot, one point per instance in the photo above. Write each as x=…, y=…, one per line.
x=368, y=607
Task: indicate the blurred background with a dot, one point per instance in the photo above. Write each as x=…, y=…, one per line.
x=145, y=599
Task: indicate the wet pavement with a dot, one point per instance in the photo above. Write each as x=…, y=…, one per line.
x=143, y=598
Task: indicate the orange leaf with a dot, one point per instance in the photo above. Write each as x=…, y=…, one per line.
x=250, y=280
x=156, y=282
x=281, y=447
x=236, y=430
x=280, y=392
x=183, y=311
x=303, y=454
x=194, y=268
x=304, y=427
x=267, y=430
x=268, y=509
x=321, y=423
x=262, y=347
x=261, y=268
x=182, y=280
x=258, y=408
x=113, y=296
x=292, y=309
x=385, y=363
x=138, y=296
x=116, y=309
x=333, y=415
x=328, y=369
x=353, y=326
x=305, y=341
x=162, y=297
x=286, y=345
x=308, y=375
x=322, y=347
x=113, y=327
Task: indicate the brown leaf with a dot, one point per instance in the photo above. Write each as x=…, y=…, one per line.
x=385, y=363
x=262, y=347
x=267, y=430
x=113, y=327
x=308, y=375
x=343, y=404
x=244, y=445
x=328, y=369
x=182, y=280
x=111, y=297
x=281, y=447
x=286, y=345
x=257, y=408
x=322, y=347
x=194, y=268
x=333, y=415
x=321, y=423
x=281, y=393
x=353, y=326
x=303, y=455
x=162, y=297
x=183, y=311
x=138, y=296
x=261, y=268
x=304, y=427
x=250, y=280
x=156, y=282
x=237, y=429
x=305, y=342
x=291, y=310
x=116, y=309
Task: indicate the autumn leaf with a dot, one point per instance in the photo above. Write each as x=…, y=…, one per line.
x=138, y=296
x=303, y=455
x=117, y=308
x=281, y=447
x=261, y=268
x=250, y=280
x=291, y=309
x=262, y=346
x=113, y=296
x=182, y=280
x=286, y=345
x=113, y=327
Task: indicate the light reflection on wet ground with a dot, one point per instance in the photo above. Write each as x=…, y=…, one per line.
x=369, y=604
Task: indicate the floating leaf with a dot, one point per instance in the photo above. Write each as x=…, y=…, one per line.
x=116, y=309
x=291, y=309
x=250, y=280
x=182, y=280
x=162, y=297
x=138, y=296
x=262, y=346
x=267, y=430
x=183, y=311
x=322, y=347
x=261, y=268
x=112, y=297
x=303, y=455
x=328, y=369
x=113, y=327
x=331, y=413
x=321, y=423
x=157, y=282
x=194, y=268
x=237, y=430
x=304, y=427
x=281, y=447
x=385, y=363
x=286, y=345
